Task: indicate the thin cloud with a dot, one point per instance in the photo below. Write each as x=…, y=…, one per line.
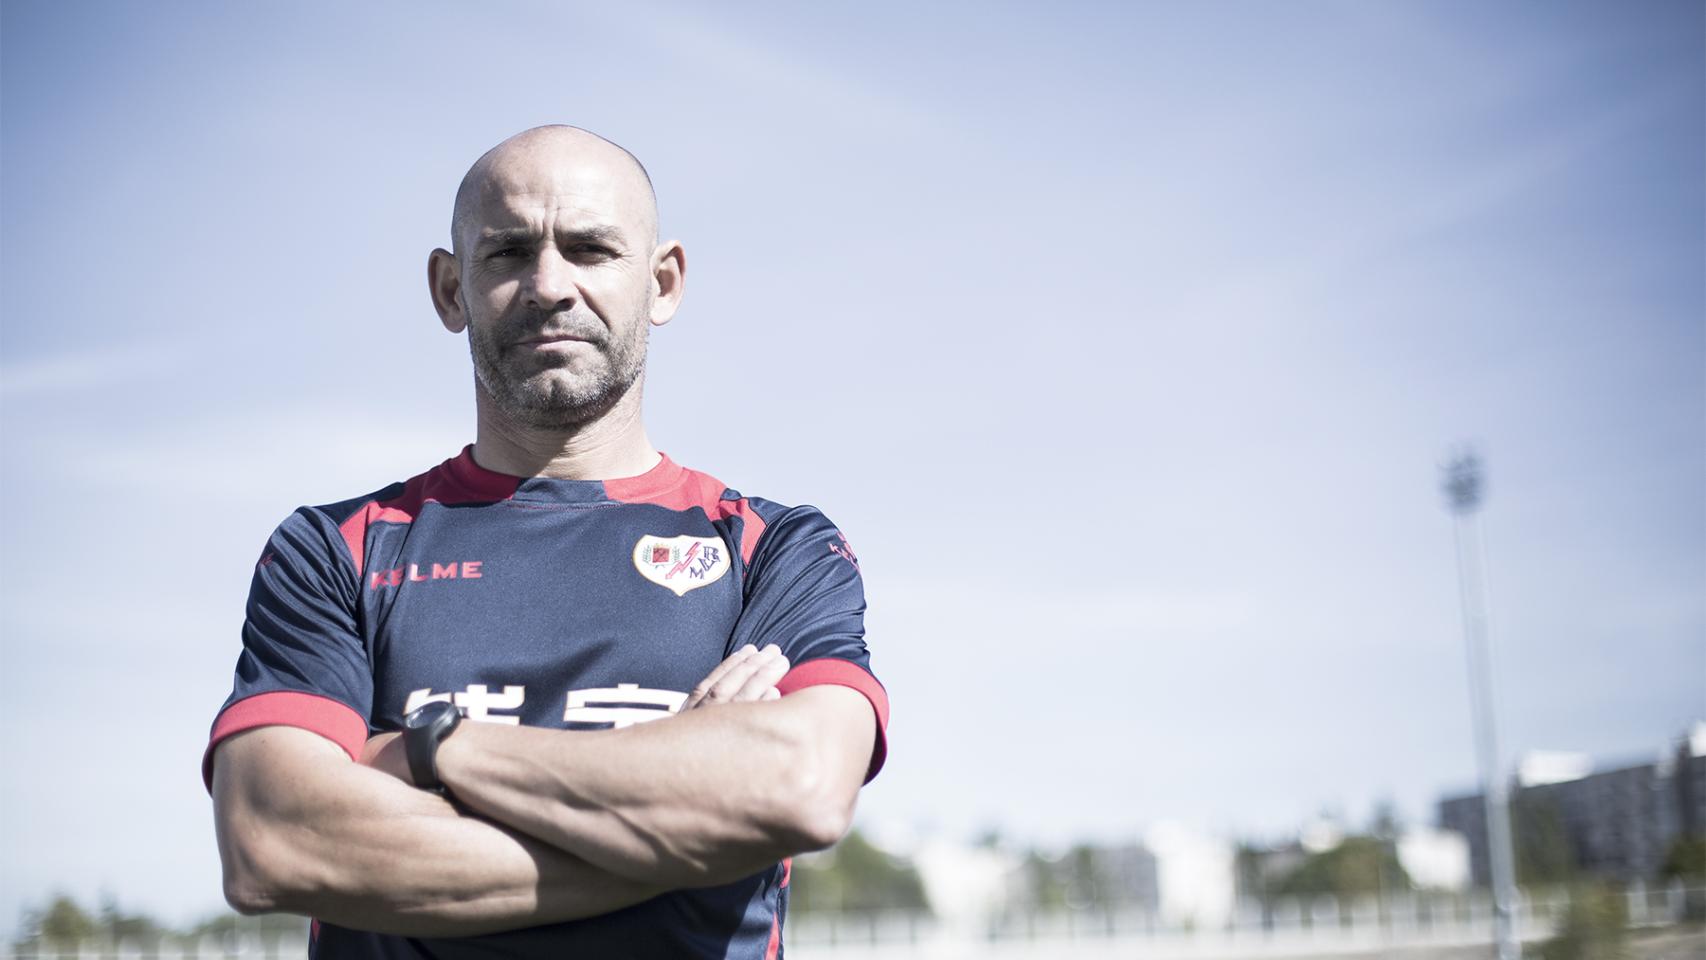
x=69, y=372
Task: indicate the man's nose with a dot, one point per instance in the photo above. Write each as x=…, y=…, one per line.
x=553, y=280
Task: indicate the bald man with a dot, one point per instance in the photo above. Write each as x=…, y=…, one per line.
x=557, y=695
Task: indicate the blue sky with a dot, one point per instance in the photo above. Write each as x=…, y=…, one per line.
x=1124, y=341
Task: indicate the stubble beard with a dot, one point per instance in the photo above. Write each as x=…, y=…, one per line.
x=554, y=395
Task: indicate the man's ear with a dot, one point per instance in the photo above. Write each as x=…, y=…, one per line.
x=669, y=274
x=444, y=280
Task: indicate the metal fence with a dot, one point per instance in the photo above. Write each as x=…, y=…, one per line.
x=1322, y=926
x=243, y=945
x=1319, y=925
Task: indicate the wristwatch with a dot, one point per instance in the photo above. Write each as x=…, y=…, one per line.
x=424, y=728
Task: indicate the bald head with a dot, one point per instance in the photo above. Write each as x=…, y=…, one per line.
x=554, y=159
x=556, y=277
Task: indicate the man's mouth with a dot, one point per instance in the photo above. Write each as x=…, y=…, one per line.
x=552, y=343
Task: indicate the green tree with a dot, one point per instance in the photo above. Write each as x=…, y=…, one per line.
x=1358, y=865
x=1045, y=887
x=1686, y=861
x=118, y=925
x=63, y=921
x=1594, y=927
x=1247, y=871
x=229, y=929
x=855, y=876
x=1543, y=850
x=1083, y=881
x=1686, y=858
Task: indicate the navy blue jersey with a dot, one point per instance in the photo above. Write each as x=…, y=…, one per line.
x=572, y=604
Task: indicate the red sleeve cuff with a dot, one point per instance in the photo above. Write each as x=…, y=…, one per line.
x=845, y=673
x=329, y=718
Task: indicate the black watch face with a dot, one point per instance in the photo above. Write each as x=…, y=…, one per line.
x=425, y=714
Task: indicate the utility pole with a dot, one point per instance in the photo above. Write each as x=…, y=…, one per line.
x=1464, y=483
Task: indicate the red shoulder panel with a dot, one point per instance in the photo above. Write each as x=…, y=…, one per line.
x=670, y=485
x=457, y=480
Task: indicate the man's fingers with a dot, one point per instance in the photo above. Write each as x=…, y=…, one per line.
x=727, y=688
x=716, y=675
x=747, y=680
x=766, y=673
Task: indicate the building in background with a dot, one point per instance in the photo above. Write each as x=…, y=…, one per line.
x=1689, y=777
x=1103, y=877
x=968, y=886
x=1618, y=824
x=1131, y=875
x=1195, y=875
x=1434, y=859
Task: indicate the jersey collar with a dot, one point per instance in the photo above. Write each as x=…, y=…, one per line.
x=485, y=484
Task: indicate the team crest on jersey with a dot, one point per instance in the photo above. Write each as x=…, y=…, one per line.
x=681, y=563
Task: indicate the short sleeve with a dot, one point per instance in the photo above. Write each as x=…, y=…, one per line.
x=303, y=662
x=804, y=593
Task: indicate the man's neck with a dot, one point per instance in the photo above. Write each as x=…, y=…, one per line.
x=607, y=448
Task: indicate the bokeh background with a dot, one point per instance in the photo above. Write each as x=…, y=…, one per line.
x=1125, y=342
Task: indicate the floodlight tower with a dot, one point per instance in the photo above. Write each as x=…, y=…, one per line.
x=1464, y=482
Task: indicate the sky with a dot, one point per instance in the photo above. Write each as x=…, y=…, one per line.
x=1124, y=341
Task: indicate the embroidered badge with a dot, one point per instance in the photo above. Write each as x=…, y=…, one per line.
x=681, y=563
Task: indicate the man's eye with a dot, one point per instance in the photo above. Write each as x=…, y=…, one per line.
x=591, y=251
x=503, y=253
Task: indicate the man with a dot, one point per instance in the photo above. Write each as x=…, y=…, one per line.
x=561, y=581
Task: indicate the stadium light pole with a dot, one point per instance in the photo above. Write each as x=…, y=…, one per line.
x=1464, y=483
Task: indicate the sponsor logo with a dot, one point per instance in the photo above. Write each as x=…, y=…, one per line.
x=620, y=706
x=597, y=708
x=476, y=702
x=420, y=572
x=680, y=564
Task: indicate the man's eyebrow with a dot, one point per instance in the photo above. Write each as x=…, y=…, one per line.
x=609, y=236
x=507, y=236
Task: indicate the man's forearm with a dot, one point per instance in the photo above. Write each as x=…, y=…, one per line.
x=702, y=798
x=303, y=830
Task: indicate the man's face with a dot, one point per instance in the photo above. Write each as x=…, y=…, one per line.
x=555, y=257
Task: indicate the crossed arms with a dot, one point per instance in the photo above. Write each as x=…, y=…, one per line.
x=553, y=825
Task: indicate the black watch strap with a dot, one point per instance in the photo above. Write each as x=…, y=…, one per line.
x=423, y=730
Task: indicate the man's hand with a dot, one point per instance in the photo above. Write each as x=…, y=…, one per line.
x=749, y=674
